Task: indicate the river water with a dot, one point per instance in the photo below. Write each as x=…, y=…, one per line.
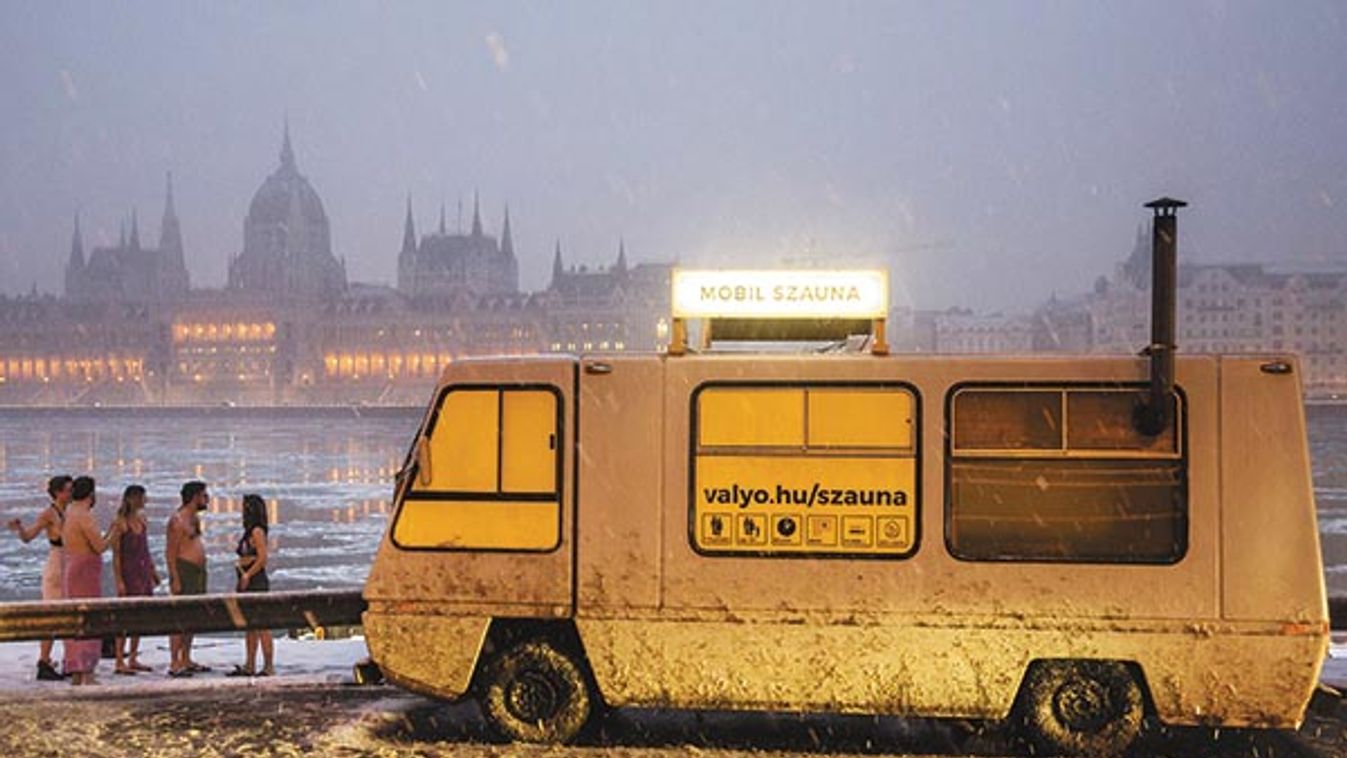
x=328, y=481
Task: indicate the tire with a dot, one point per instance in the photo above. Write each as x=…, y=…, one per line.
x=1092, y=708
x=535, y=692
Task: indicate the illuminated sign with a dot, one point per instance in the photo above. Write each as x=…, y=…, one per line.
x=780, y=294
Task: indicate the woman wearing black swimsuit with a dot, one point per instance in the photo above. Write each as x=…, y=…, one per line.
x=49, y=521
x=252, y=577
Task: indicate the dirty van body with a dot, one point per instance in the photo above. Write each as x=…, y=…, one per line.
x=936, y=536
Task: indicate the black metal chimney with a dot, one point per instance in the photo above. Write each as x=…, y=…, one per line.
x=1155, y=415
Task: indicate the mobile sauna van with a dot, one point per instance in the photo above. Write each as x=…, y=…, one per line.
x=1079, y=542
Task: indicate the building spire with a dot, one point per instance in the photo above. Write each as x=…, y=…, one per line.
x=621, y=265
x=409, y=230
x=506, y=239
x=170, y=233
x=77, y=246
x=287, y=152
x=476, y=216
x=135, y=231
x=443, y=229
x=558, y=270
x=169, y=210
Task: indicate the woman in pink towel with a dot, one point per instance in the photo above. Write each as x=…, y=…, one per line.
x=84, y=547
x=132, y=567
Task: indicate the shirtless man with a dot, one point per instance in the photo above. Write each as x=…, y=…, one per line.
x=49, y=521
x=186, y=558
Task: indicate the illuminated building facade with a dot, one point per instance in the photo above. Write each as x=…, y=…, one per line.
x=289, y=329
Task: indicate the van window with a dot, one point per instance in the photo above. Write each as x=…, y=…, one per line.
x=799, y=470
x=487, y=473
x=1075, y=481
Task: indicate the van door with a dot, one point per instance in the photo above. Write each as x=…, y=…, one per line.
x=485, y=514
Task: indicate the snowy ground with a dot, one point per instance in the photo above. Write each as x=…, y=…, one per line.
x=298, y=662
x=1335, y=668
x=305, y=710
x=304, y=662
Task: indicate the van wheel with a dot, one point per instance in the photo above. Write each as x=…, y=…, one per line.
x=535, y=692
x=1082, y=707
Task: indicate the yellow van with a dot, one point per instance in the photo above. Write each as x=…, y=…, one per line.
x=858, y=533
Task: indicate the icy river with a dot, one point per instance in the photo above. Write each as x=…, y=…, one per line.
x=328, y=478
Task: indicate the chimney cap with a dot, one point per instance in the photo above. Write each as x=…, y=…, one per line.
x=1166, y=203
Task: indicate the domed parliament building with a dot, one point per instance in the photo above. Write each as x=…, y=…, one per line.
x=289, y=328
x=287, y=243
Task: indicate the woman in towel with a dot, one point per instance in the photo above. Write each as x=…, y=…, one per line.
x=84, y=547
x=132, y=567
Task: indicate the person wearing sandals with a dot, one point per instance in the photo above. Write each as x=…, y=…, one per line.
x=252, y=577
x=132, y=566
x=49, y=522
x=82, y=577
x=186, y=558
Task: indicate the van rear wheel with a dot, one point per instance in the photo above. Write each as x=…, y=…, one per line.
x=1082, y=707
x=536, y=692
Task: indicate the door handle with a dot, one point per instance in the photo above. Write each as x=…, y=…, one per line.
x=598, y=367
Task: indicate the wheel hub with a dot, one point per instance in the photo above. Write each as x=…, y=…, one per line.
x=1083, y=704
x=532, y=696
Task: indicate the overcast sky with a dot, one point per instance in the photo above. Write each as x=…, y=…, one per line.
x=989, y=154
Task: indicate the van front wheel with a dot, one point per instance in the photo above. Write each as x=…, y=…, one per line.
x=1082, y=707
x=534, y=692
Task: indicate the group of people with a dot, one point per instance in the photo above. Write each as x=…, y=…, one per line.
x=74, y=569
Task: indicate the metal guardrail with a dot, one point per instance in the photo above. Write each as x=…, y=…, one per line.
x=181, y=614
x=227, y=613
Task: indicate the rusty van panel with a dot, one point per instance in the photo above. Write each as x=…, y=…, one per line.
x=427, y=653
x=1197, y=673
x=534, y=581
x=619, y=514
x=930, y=579
x=1273, y=568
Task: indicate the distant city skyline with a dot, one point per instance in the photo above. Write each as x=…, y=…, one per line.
x=988, y=155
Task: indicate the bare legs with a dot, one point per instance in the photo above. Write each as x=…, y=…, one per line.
x=180, y=653
x=132, y=652
x=175, y=663
x=260, y=638
x=127, y=650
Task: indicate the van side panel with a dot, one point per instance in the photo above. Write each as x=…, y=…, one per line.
x=1273, y=569
x=618, y=511
x=411, y=649
x=930, y=633
x=904, y=665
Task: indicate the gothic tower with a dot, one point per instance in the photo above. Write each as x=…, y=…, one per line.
x=74, y=267
x=174, y=281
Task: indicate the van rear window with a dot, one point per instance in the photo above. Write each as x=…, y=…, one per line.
x=1061, y=474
